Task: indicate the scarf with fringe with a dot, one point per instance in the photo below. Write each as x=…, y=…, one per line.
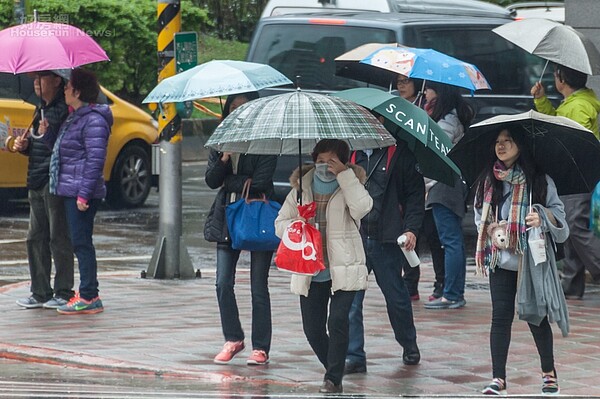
x=486, y=254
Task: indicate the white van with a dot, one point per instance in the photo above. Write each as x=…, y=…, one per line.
x=464, y=7
x=283, y=7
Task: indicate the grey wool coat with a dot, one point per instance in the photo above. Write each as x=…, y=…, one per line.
x=539, y=293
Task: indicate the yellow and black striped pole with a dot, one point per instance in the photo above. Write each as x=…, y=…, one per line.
x=169, y=23
x=170, y=258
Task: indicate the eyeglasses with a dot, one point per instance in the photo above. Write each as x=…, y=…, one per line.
x=404, y=81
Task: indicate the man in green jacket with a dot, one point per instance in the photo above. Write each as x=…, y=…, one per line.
x=580, y=103
x=582, y=249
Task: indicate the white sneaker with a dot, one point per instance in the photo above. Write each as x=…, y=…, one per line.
x=30, y=303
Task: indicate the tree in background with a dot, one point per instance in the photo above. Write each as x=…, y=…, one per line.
x=126, y=30
x=233, y=19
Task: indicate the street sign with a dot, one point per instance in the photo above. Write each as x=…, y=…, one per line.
x=186, y=51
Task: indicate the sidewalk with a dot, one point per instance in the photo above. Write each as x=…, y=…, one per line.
x=171, y=329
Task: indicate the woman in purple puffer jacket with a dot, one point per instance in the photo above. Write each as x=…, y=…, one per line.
x=76, y=173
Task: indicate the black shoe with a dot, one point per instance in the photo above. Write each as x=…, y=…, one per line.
x=330, y=387
x=354, y=368
x=411, y=355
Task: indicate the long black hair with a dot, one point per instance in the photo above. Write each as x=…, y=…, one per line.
x=534, y=176
x=449, y=98
x=250, y=95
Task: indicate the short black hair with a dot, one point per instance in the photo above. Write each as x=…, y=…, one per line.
x=250, y=95
x=575, y=79
x=338, y=147
x=86, y=83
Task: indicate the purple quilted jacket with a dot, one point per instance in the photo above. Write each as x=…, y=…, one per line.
x=82, y=152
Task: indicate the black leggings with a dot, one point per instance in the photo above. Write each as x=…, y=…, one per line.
x=327, y=332
x=503, y=289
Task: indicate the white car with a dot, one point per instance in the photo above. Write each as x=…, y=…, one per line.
x=553, y=10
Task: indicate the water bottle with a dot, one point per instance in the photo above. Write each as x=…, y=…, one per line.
x=411, y=256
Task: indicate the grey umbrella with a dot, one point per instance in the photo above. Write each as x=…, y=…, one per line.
x=554, y=42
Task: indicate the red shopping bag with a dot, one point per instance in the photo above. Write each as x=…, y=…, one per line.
x=301, y=248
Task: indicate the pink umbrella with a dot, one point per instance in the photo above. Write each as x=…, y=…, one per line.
x=40, y=46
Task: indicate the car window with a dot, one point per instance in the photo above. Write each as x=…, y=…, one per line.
x=309, y=51
x=508, y=68
x=9, y=86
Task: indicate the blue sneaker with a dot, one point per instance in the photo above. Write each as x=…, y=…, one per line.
x=78, y=305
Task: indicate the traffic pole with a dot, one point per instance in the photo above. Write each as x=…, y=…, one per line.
x=170, y=258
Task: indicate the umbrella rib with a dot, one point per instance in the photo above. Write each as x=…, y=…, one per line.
x=580, y=172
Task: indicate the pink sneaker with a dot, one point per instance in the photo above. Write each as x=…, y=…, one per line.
x=230, y=349
x=258, y=357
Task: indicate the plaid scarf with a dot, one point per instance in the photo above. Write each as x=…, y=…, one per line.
x=487, y=255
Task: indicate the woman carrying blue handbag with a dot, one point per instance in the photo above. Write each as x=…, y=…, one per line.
x=229, y=172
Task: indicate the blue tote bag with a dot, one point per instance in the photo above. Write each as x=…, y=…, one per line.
x=251, y=222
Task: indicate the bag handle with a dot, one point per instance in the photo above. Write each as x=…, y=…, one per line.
x=246, y=193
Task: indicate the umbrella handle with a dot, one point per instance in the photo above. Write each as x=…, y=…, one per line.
x=543, y=71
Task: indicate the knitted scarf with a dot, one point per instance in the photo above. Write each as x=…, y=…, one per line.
x=486, y=254
x=55, y=158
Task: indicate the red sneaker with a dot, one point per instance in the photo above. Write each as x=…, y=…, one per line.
x=230, y=349
x=258, y=357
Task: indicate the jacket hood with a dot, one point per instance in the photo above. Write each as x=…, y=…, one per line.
x=589, y=96
x=101, y=109
x=358, y=171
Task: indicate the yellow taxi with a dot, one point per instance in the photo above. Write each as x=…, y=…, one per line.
x=127, y=171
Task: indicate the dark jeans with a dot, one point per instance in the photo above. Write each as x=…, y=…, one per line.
x=384, y=260
x=449, y=227
x=503, y=290
x=47, y=239
x=260, y=262
x=430, y=235
x=81, y=228
x=330, y=348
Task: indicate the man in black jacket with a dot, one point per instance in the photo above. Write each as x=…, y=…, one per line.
x=48, y=235
x=398, y=193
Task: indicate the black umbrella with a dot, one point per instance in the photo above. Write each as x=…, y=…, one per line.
x=562, y=148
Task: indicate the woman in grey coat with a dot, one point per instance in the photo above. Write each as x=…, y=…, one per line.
x=514, y=200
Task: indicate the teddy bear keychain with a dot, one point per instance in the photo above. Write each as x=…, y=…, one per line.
x=497, y=232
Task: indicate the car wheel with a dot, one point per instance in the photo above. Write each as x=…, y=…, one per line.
x=131, y=178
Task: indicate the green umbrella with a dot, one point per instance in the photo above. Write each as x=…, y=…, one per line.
x=411, y=124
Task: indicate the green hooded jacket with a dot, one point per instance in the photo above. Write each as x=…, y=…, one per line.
x=582, y=106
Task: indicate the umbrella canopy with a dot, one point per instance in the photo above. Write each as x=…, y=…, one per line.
x=411, y=124
x=348, y=65
x=40, y=46
x=216, y=78
x=562, y=148
x=293, y=123
x=554, y=42
x=429, y=65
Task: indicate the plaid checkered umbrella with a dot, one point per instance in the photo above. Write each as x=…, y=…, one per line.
x=293, y=123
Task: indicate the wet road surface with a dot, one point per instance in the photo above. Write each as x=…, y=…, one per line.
x=157, y=337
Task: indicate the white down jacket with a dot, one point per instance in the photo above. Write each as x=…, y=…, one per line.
x=346, y=207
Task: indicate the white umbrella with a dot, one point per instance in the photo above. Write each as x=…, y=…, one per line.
x=554, y=42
